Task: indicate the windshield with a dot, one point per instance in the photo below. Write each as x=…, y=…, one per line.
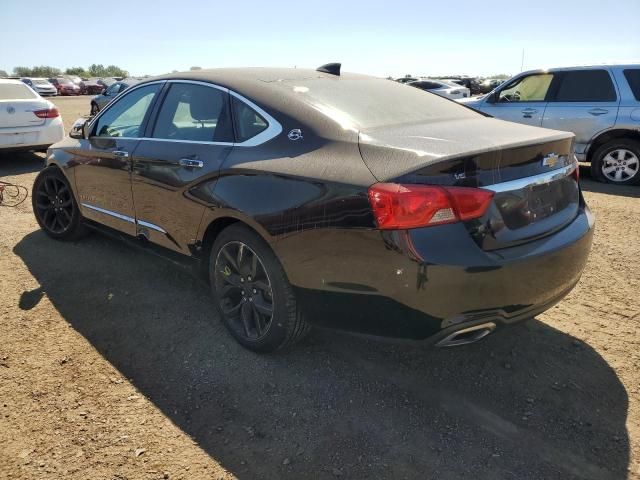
x=16, y=91
x=40, y=81
x=367, y=102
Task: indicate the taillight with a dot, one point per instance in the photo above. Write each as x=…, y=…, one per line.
x=398, y=206
x=47, y=113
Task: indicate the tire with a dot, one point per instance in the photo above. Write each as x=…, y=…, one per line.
x=94, y=109
x=617, y=162
x=243, y=301
x=63, y=220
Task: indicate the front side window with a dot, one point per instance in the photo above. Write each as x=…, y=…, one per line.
x=124, y=117
x=194, y=112
x=586, y=86
x=633, y=77
x=248, y=122
x=532, y=88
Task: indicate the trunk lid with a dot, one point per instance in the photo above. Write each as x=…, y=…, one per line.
x=19, y=113
x=530, y=169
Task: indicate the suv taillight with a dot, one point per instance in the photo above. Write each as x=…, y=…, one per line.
x=47, y=113
x=398, y=206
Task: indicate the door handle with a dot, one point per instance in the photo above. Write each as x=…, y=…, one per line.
x=598, y=111
x=527, y=112
x=191, y=163
x=121, y=154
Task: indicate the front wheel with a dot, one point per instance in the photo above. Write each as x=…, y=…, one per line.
x=55, y=207
x=617, y=161
x=252, y=292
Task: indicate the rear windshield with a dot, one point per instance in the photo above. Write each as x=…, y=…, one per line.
x=367, y=102
x=16, y=91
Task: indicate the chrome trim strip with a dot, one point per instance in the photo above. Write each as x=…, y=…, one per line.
x=273, y=126
x=151, y=226
x=539, y=179
x=109, y=212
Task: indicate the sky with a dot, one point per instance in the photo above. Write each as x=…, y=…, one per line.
x=382, y=38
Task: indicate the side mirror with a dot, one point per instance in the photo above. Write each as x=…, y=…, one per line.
x=78, y=130
x=493, y=97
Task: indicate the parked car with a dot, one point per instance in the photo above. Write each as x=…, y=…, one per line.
x=280, y=183
x=65, y=86
x=112, y=91
x=488, y=84
x=92, y=86
x=406, y=79
x=27, y=121
x=600, y=105
x=41, y=86
x=442, y=88
x=468, y=82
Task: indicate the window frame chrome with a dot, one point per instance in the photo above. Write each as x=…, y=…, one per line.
x=274, y=128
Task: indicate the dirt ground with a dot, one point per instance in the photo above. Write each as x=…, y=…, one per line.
x=113, y=365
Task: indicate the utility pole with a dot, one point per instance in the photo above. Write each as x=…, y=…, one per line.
x=522, y=62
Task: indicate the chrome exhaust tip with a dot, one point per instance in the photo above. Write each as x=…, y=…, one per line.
x=467, y=335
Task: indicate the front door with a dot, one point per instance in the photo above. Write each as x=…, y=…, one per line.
x=191, y=136
x=103, y=163
x=523, y=100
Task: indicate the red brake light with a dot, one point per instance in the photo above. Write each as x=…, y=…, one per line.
x=47, y=113
x=398, y=206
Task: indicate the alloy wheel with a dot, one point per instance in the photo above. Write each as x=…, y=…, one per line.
x=620, y=165
x=54, y=205
x=244, y=290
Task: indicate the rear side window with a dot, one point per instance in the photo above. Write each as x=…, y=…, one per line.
x=16, y=91
x=633, y=77
x=194, y=113
x=426, y=85
x=586, y=86
x=248, y=122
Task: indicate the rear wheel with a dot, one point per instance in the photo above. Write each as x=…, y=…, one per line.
x=617, y=161
x=55, y=207
x=252, y=293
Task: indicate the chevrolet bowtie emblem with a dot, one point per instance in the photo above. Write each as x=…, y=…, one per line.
x=551, y=160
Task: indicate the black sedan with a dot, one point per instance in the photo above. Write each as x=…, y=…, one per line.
x=319, y=198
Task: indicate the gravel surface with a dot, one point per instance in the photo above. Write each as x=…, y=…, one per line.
x=113, y=365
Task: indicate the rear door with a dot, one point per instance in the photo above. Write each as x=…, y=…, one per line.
x=102, y=165
x=522, y=100
x=584, y=102
x=186, y=143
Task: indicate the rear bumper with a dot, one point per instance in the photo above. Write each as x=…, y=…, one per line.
x=425, y=282
x=32, y=138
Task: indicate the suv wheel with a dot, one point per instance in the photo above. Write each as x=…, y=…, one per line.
x=252, y=293
x=617, y=161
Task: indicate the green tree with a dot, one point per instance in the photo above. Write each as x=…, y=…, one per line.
x=38, y=71
x=195, y=68
x=79, y=71
x=3, y=73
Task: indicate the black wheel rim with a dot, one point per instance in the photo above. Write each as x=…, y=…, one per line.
x=243, y=290
x=54, y=205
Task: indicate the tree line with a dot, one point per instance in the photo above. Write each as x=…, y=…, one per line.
x=95, y=70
